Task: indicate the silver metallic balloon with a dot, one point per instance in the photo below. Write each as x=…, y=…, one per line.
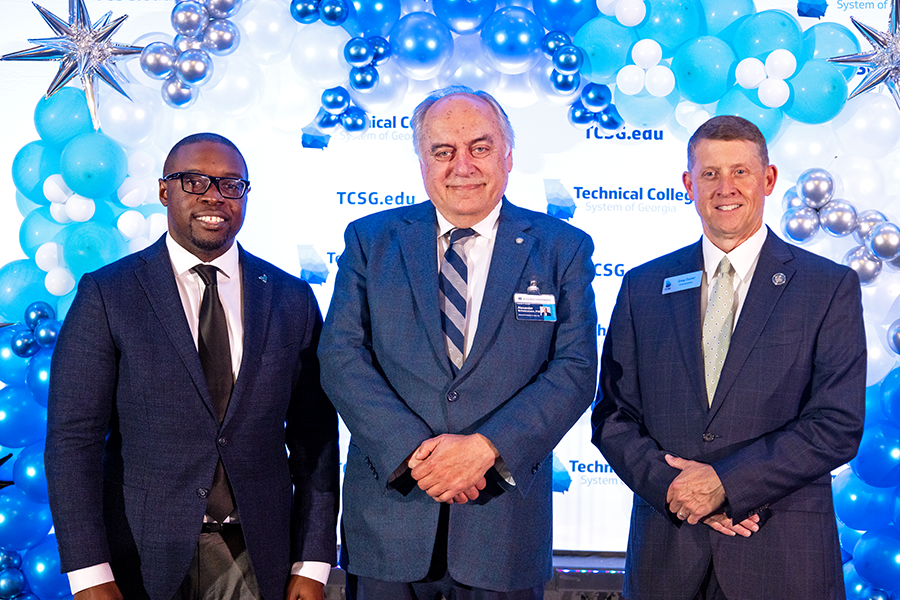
x=158, y=60
x=800, y=224
x=838, y=218
x=194, y=67
x=866, y=265
x=884, y=241
x=791, y=199
x=222, y=9
x=178, y=94
x=221, y=37
x=893, y=335
x=867, y=220
x=183, y=43
x=189, y=18
x=815, y=187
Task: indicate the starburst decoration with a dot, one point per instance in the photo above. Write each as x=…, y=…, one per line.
x=82, y=49
x=884, y=59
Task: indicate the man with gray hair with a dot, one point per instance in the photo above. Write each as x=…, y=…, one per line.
x=459, y=348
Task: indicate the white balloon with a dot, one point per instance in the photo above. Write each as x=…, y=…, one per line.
x=515, y=91
x=646, y=53
x=317, y=55
x=79, y=208
x=695, y=120
x=799, y=146
x=390, y=90
x=780, y=64
x=630, y=12
x=55, y=189
x=47, y=256
x=862, y=180
x=607, y=7
x=269, y=31
x=137, y=244
x=134, y=122
x=240, y=89
x=130, y=224
x=750, y=72
x=59, y=281
x=140, y=164
x=630, y=79
x=58, y=212
x=869, y=125
x=467, y=66
x=774, y=92
x=159, y=224
x=684, y=110
x=659, y=80
x=539, y=77
x=132, y=192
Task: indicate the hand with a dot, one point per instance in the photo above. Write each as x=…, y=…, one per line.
x=696, y=493
x=304, y=588
x=104, y=591
x=725, y=526
x=451, y=468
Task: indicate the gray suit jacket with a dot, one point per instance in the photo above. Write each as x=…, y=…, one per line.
x=788, y=409
x=523, y=385
x=133, y=439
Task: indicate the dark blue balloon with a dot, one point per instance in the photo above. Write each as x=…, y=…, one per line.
x=580, y=117
x=305, y=11
x=6, y=468
x=877, y=461
x=38, y=377
x=23, y=523
x=877, y=557
x=336, y=100
x=554, y=40
x=333, y=12
x=24, y=344
x=22, y=420
x=568, y=59
x=596, y=96
x=860, y=505
x=565, y=82
x=853, y=583
x=46, y=331
x=610, y=119
x=37, y=312
x=12, y=583
x=464, y=16
x=358, y=52
x=372, y=17
x=13, y=367
x=327, y=121
x=41, y=568
x=354, y=120
x=848, y=537
x=381, y=50
x=10, y=559
x=28, y=472
x=363, y=79
x=565, y=15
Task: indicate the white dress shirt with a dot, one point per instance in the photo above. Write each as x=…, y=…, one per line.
x=743, y=258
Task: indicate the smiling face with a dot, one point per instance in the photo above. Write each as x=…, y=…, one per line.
x=728, y=184
x=464, y=160
x=204, y=224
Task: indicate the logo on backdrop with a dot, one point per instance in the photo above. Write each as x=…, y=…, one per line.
x=312, y=267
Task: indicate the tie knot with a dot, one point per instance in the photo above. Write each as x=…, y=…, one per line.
x=457, y=235
x=725, y=267
x=207, y=273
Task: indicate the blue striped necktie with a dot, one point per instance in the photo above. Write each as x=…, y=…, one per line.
x=452, y=285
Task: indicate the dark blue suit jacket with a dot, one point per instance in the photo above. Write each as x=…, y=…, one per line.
x=133, y=437
x=524, y=384
x=788, y=409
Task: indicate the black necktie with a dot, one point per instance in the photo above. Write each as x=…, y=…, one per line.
x=215, y=356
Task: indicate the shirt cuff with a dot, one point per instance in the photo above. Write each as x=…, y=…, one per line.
x=82, y=579
x=312, y=570
x=503, y=471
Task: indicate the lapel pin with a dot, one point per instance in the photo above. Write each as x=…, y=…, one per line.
x=779, y=279
x=519, y=240
x=263, y=278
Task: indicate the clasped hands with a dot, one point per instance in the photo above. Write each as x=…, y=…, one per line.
x=450, y=468
x=697, y=496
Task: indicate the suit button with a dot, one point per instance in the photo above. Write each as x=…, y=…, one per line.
x=222, y=441
x=453, y=396
x=202, y=492
x=708, y=437
x=535, y=468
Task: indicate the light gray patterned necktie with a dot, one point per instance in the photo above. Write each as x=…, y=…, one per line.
x=717, y=326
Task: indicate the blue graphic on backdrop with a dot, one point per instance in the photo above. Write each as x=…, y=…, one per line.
x=312, y=267
x=559, y=201
x=812, y=9
x=561, y=478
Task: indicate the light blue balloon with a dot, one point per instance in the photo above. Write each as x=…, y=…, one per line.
x=41, y=568
x=644, y=109
x=28, y=472
x=22, y=420
x=37, y=228
x=818, y=93
x=607, y=46
x=21, y=283
x=670, y=22
x=369, y=18
x=65, y=303
x=62, y=116
x=25, y=205
x=704, y=69
x=90, y=246
x=827, y=40
x=23, y=523
x=720, y=15
x=93, y=165
x=768, y=30
x=420, y=45
x=511, y=40
x=745, y=103
x=34, y=163
x=13, y=368
x=565, y=15
x=464, y=16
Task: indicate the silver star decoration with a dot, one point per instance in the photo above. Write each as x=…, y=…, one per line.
x=884, y=57
x=82, y=49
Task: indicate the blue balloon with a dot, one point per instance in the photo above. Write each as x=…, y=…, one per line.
x=12, y=366
x=421, y=45
x=62, y=116
x=670, y=22
x=848, y=537
x=41, y=568
x=91, y=246
x=23, y=523
x=883, y=400
x=46, y=332
x=610, y=119
x=720, y=15
x=704, y=69
x=38, y=228
x=28, y=472
x=25, y=205
x=37, y=312
x=12, y=583
x=581, y=117
x=372, y=17
x=644, y=109
x=565, y=15
x=877, y=461
x=355, y=121
x=336, y=100
x=333, y=12
x=34, y=163
x=511, y=40
x=22, y=420
x=854, y=585
x=568, y=59
x=382, y=50
x=553, y=40
x=21, y=283
x=363, y=79
x=745, y=103
x=8, y=464
x=877, y=557
x=818, y=93
x=565, y=83
x=596, y=96
x=327, y=121
x=38, y=377
x=10, y=559
x=305, y=11
x=827, y=40
x=768, y=30
x=24, y=344
x=358, y=52
x=860, y=505
x=93, y=165
x=464, y=16
x=606, y=46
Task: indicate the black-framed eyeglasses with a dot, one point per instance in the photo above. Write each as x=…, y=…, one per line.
x=198, y=183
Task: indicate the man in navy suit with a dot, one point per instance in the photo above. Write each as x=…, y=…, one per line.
x=448, y=482
x=732, y=382
x=137, y=446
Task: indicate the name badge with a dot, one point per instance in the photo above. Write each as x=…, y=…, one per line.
x=535, y=307
x=682, y=282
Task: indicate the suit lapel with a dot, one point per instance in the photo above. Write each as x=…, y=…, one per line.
x=761, y=299
x=687, y=320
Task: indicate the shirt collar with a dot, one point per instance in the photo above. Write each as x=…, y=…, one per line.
x=183, y=261
x=743, y=258
x=486, y=228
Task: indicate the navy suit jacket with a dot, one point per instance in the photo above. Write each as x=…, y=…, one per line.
x=787, y=410
x=133, y=438
x=523, y=385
